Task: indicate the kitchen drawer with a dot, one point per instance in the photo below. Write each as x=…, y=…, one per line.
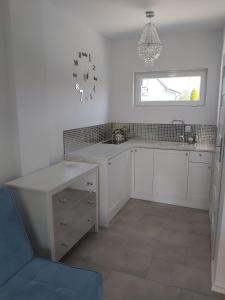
x=63, y=201
x=200, y=157
x=71, y=224
x=62, y=247
x=68, y=232
x=64, y=241
x=88, y=183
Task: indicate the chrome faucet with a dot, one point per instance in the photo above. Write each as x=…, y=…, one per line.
x=181, y=122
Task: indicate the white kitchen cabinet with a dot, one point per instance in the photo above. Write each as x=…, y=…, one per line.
x=143, y=172
x=58, y=205
x=170, y=176
x=199, y=182
x=148, y=173
x=119, y=179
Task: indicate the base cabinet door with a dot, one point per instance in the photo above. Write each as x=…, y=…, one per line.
x=199, y=182
x=119, y=174
x=143, y=172
x=170, y=176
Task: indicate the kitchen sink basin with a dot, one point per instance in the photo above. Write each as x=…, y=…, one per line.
x=172, y=144
x=111, y=142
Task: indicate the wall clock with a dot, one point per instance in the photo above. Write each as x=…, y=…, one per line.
x=85, y=76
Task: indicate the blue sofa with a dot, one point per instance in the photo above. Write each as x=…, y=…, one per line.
x=25, y=277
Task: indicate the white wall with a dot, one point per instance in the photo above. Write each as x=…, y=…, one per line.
x=44, y=41
x=28, y=69
x=189, y=50
x=64, y=38
x=8, y=167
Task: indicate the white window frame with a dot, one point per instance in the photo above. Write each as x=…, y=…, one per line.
x=138, y=76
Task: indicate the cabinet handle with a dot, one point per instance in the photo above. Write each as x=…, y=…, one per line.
x=63, y=200
x=90, y=183
x=63, y=223
x=135, y=150
x=200, y=154
x=131, y=151
x=109, y=163
x=64, y=245
x=89, y=220
x=187, y=154
x=209, y=167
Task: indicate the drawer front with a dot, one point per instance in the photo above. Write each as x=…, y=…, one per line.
x=63, y=201
x=67, y=235
x=87, y=184
x=200, y=157
x=80, y=215
x=61, y=248
x=73, y=223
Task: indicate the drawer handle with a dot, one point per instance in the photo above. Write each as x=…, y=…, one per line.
x=109, y=163
x=64, y=245
x=91, y=202
x=63, y=223
x=89, y=220
x=63, y=200
x=200, y=154
x=187, y=154
x=90, y=183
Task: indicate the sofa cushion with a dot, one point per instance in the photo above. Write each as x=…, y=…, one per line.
x=15, y=249
x=44, y=280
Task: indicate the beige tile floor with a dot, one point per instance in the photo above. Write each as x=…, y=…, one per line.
x=150, y=251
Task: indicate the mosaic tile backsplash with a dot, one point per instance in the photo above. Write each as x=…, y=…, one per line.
x=205, y=134
x=75, y=139
x=79, y=138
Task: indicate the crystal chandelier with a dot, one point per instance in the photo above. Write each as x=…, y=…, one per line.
x=149, y=46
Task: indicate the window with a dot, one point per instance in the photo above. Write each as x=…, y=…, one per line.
x=170, y=88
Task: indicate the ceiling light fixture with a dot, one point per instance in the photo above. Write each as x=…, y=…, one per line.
x=149, y=46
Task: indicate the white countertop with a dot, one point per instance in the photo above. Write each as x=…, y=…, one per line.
x=52, y=178
x=106, y=151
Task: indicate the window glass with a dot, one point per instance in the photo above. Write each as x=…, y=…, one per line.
x=163, y=87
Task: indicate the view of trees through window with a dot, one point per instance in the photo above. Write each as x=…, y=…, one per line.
x=183, y=88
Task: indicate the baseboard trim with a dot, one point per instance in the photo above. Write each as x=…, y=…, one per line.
x=214, y=287
x=117, y=208
x=170, y=200
x=218, y=289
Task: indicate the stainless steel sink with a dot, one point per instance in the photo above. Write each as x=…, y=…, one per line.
x=172, y=144
x=111, y=142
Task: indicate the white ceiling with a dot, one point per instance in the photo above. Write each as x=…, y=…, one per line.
x=119, y=18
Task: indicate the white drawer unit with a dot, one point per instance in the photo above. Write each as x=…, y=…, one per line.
x=200, y=157
x=58, y=212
